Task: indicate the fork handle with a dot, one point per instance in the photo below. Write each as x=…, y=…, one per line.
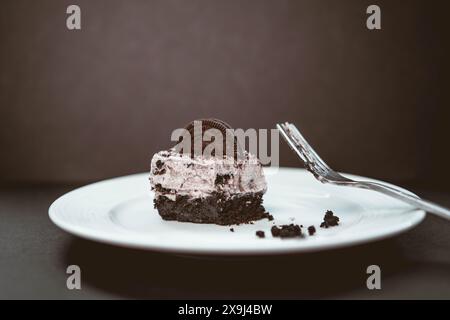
x=406, y=197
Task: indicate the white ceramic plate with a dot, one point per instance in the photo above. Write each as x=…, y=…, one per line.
x=120, y=211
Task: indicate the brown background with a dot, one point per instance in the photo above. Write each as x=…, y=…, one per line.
x=78, y=106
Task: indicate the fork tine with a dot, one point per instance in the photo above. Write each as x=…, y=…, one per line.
x=311, y=159
x=317, y=159
x=292, y=144
x=295, y=143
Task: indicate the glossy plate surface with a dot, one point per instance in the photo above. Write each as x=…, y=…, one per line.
x=120, y=211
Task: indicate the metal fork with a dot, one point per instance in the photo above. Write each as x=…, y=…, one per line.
x=325, y=174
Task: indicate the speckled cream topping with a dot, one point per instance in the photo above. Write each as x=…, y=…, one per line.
x=175, y=173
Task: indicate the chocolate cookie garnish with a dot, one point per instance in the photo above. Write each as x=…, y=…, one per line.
x=206, y=124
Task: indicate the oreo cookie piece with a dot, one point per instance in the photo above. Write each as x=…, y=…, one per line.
x=159, y=168
x=221, y=179
x=198, y=137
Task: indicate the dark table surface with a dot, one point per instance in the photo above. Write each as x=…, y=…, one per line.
x=34, y=255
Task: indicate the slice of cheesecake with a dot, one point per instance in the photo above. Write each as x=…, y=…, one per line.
x=195, y=188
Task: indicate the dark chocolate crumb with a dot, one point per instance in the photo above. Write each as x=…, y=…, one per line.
x=329, y=220
x=158, y=187
x=159, y=164
x=311, y=230
x=270, y=217
x=159, y=168
x=221, y=179
x=231, y=229
x=260, y=234
x=275, y=231
x=287, y=231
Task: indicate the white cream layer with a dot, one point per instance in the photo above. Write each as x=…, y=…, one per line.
x=196, y=177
